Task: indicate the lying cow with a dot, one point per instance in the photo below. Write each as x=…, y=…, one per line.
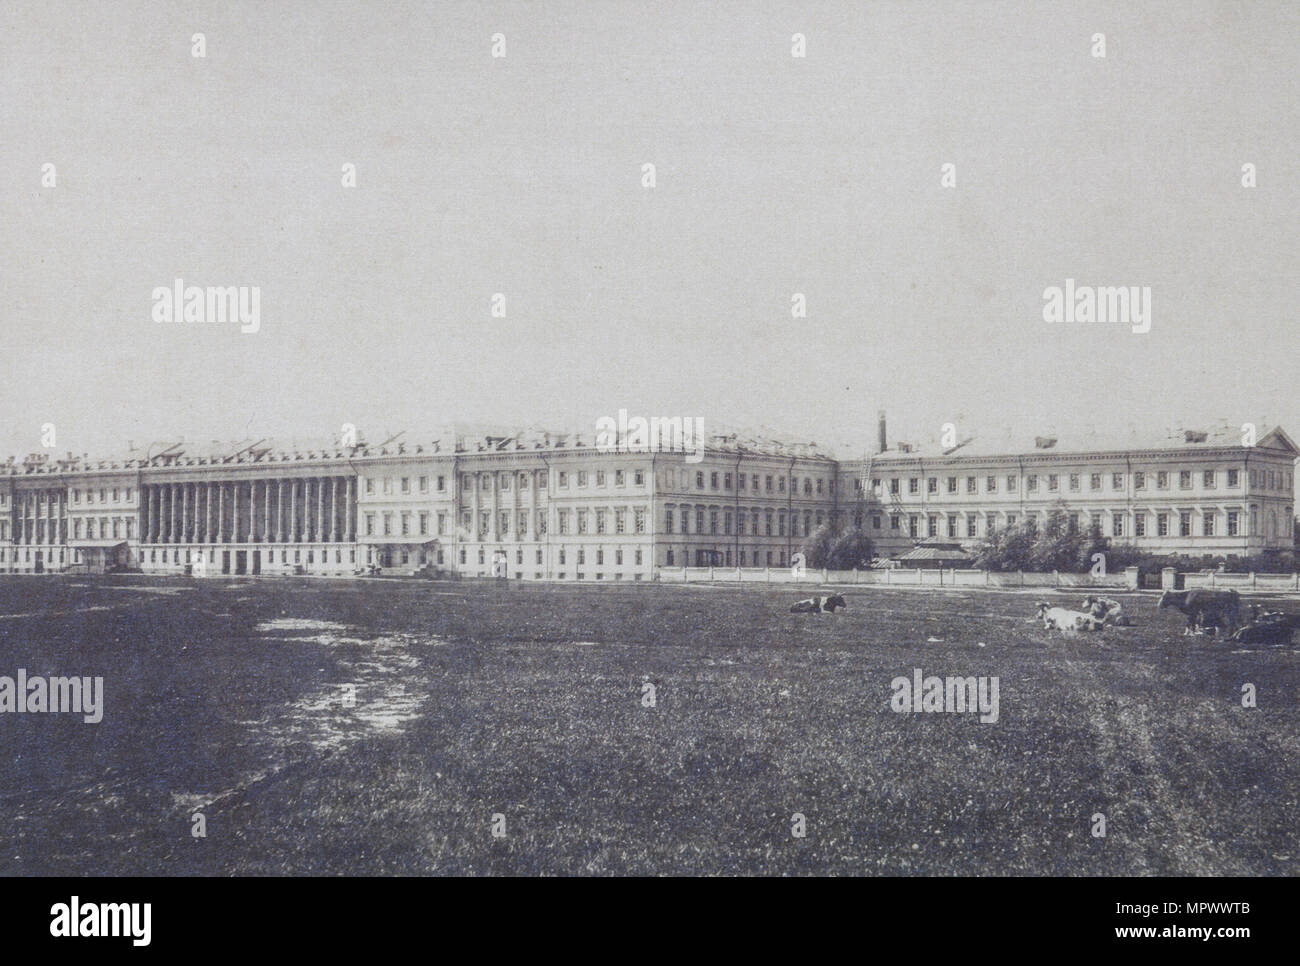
x=1219, y=610
x=818, y=605
x=1109, y=612
x=1274, y=627
x=1061, y=619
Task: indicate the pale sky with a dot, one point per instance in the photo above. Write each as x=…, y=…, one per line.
x=522, y=175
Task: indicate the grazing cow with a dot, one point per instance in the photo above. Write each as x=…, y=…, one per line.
x=1109, y=612
x=817, y=605
x=1274, y=627
x=1061, y=619
x=1217, y=609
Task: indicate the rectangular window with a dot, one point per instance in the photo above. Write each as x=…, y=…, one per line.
x=600, y=477
x=1140, y=525
x=952, y=484
x=424, y=484
x=424, y=524
x=1053, y=482
x=1234, y=523
x=932, y=484
x=1184, y=524
x=1011, y=484
x=1139, y=481
x=406, y=484
x=1117, y=481
x=1207, y=524
x=1162, y=524
x=1184, y=479
x=970, y=526
x=1234, y=478
x=1031, y=482
x=1116, y=525
x=1162, y=480
x=1094, y=481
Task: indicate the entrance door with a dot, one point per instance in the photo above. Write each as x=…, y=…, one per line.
x=225, y=561
x=40, y=562
x=257, y=561
x=241, y=561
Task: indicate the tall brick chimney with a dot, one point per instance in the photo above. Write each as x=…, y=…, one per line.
x=883, y=441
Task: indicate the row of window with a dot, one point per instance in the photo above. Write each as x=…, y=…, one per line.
x=1233, y=520
x=98, y=528
x=564, y=555
x=1074, y=482
x=755, y=557
x=765, y=522
x=407, y=523
x=598, y=478
x=403, y=484
x=188, y=555
x=748, y=482
x=38, y=500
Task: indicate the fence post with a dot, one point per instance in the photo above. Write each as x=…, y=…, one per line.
x=1254, y=580
x=767, y=573
x=887, y=570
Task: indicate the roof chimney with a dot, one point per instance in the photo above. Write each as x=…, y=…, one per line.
x=882, y=441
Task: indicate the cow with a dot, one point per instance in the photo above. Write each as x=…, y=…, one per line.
x=818, y=605
x=1217, y=609
x=1109, y=612
x=1061, y=619
x=1274, y=627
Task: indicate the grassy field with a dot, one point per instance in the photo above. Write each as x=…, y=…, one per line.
x=228, y=697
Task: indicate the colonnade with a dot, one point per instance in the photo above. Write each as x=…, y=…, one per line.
x=287, y=510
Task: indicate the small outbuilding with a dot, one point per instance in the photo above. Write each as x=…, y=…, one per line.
x=933, y=553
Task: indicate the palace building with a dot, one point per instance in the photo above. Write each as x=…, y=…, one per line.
x=554, y=506
x=1190, y=491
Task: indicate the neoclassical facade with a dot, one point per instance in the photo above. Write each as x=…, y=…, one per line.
x=1190, y=492
x=547, y=506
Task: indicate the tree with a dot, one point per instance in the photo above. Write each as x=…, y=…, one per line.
x=1008, y=548
x=817, y=548
x=852, y=550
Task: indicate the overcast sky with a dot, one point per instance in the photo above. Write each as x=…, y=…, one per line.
x=522, y=175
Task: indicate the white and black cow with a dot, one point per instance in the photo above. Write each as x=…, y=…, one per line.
x=1109, y=612
x=818, y=605
x=1061, y=619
